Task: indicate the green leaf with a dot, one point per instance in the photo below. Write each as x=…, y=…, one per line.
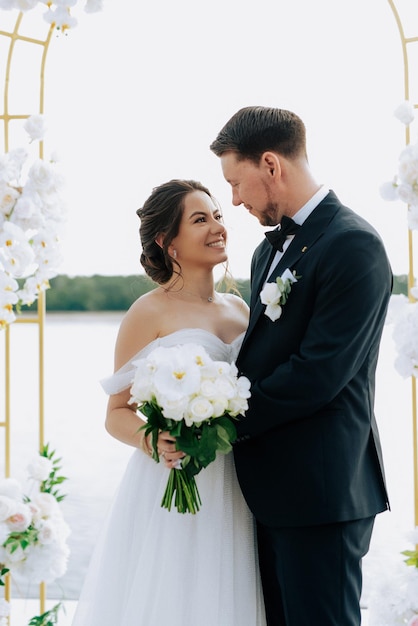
x=3, y=572
x=49, y=618
x=60, y=479
x=47, y=486
x=412, y=557
x=223, y=440
x=176, y=428
x=229, y=426
x=207, y=445
x=188, y=439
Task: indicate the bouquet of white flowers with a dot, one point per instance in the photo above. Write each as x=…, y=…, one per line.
x=183, y=391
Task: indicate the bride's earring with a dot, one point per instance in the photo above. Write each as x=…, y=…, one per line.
x=174, y=254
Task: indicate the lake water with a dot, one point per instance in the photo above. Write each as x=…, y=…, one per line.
x=78, y=353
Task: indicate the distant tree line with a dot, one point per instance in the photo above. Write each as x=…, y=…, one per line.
x=105, y=293
x=117, y=293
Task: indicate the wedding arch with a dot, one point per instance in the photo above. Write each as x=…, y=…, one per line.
x=19, y=42
x=409, y=44
x=28, y=242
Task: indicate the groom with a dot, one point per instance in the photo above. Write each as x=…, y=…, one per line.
x=308, y=455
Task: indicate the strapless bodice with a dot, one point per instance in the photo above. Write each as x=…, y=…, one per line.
x=214, y=346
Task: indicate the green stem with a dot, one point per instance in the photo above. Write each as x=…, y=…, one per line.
x=183, y=489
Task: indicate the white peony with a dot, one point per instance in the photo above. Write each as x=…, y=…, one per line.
x=403, y=314
x=389, y=191
x=35, y=126
x=405, y=112
x=40, y=468
x=20, y=519
x=4, y=533
x=11, y=487
x=408, y=165
x=46, y=503
x=42, y=178
x=47, y=532
x=7, y=507
x=11, y=165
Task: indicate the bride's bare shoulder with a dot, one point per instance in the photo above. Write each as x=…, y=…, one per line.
x=140, y=325
x=236, y=302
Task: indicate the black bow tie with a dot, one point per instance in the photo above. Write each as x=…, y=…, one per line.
x=278, y=237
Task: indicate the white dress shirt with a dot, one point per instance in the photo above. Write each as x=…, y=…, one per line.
x=299, y=218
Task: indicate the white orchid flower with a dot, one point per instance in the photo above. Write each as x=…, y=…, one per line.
x=274, y=295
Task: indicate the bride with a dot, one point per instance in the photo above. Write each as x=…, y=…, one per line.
x=151, y=566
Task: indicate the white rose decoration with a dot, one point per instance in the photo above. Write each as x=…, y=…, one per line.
x=46, y=503
x=35, y=126
x=47, y=533
x=11, y=487
x=40, y=468
x=199, y=409
x=20, y=519
x=405, y=112
x=7, y=507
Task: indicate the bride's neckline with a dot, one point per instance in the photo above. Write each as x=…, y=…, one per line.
x=201, y=330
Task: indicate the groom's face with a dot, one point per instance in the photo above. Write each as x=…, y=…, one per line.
x=252, y=187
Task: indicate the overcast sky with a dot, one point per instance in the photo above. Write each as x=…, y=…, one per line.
x=136, y=93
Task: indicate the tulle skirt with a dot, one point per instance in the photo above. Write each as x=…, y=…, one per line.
x=152, y=566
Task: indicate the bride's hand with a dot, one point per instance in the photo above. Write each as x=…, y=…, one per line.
x=166, y=447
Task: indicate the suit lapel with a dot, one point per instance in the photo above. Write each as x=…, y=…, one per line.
x=260, y=270
x=304, y=240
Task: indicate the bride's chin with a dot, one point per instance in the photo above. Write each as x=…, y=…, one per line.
x=223, y=259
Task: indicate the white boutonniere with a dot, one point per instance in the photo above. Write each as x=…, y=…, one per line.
x=274, y=295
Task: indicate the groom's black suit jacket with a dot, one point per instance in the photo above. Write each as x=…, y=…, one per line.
x=308, y=449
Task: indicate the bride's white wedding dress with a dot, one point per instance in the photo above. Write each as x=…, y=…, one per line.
x=151, y=566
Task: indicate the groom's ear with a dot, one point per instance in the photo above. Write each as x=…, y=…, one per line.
x=270, y=162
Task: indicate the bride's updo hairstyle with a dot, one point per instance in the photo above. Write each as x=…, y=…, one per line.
x=161, y=215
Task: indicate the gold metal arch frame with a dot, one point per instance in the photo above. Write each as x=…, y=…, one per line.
x=14, y=40
x=409, y=45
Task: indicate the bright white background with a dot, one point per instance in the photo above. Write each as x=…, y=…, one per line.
x=135, y=95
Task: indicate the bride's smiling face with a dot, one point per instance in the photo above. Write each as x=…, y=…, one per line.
x=201, y=239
